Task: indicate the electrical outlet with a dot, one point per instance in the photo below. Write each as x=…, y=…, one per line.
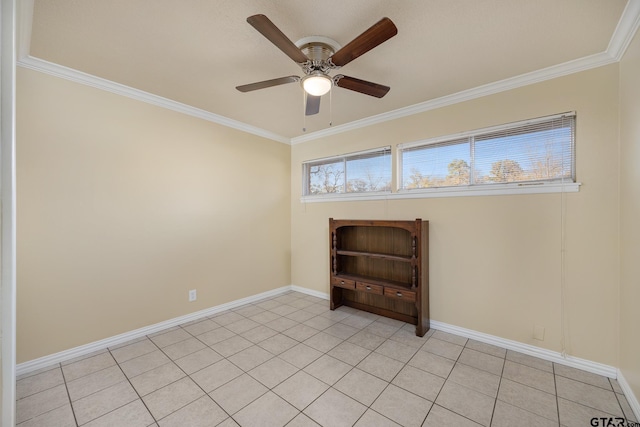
x=192, y=295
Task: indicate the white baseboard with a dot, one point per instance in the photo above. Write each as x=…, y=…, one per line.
x=46, y=361
x=552, y=356
x=629, y=394
x=311, y=292
x=542, y=353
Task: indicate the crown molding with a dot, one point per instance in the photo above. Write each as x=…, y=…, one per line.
x=110, y=86
x=581, y=64
x=625, y=30
x=620, y=40
x=24, y=23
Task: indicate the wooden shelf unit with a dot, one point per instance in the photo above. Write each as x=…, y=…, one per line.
x=381, y=267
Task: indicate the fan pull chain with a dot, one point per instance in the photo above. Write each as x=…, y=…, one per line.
x=304, y=116
x=331, y=107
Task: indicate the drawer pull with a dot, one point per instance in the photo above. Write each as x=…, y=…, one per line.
x=343, y=283
x=399, y=294
x=368, y=288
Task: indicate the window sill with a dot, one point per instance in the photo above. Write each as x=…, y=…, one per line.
x=484, y=190
x=347, y=197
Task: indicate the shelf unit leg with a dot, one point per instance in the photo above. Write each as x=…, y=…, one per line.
x=336, y=298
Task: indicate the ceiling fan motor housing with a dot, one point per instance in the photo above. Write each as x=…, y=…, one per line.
x=318, y=49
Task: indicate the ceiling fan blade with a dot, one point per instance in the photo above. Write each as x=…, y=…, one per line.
x=268, y=83
x=313, y=105
x=362, y=86
x=377, y=34
x=277, y=37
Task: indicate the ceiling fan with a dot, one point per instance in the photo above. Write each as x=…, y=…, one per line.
x=317, y=56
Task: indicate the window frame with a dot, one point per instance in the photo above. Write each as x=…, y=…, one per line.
x=397, y=191
x=345, y=158
x=566, y=184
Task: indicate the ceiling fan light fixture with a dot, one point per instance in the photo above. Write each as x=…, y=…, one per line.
x=317, y=84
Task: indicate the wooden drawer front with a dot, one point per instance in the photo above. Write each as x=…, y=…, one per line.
x=400, y=294
x=368, y=287
x=343, y=283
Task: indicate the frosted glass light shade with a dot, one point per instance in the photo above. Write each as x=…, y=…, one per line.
x=317, y=84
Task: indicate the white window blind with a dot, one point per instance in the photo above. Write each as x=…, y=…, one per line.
x=365, y=171
x=530, y=151
x=436, y=165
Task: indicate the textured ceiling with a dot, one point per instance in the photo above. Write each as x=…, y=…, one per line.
x=196, y=51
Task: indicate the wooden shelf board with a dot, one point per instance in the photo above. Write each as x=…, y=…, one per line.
x=389, y=257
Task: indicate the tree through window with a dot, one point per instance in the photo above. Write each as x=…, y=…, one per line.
x=367, y=171
x=535, y=150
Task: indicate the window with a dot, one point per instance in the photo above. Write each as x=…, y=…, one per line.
x=362, y=172
x=533, y=151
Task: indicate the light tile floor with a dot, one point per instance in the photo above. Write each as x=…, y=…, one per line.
x=290, y=361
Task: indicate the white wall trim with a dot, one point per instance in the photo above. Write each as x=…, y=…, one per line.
x=625, y=30
x=575, y=66
x=76, y=76
x=622, y=36
x=24, y=27
x=347, y=197
x=542, y=353
x=311, y=292
x=582, y=64
x=8, y=212
x=552, y=356
x=479, y=190
x=46, y=361
x=628, y=393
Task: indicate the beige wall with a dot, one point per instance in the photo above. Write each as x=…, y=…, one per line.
x=496, y=261
x=629, y=215
x=121, y=212
x=123, y=207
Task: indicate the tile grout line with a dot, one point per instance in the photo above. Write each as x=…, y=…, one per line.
x=52, y=367
x=272, y=389
x=207, y=346
x=590, y=385
x=324, y=353
x=394, y=377
x=620, y=403
x=226, y=358
x=555, y=386
x=134, y=389
x=302, y=369
x=186, y=376
x=555, y=394
x=150, y=339
x=495, y=403
x=352, y=368
x=447, y=379
x=66, y=387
